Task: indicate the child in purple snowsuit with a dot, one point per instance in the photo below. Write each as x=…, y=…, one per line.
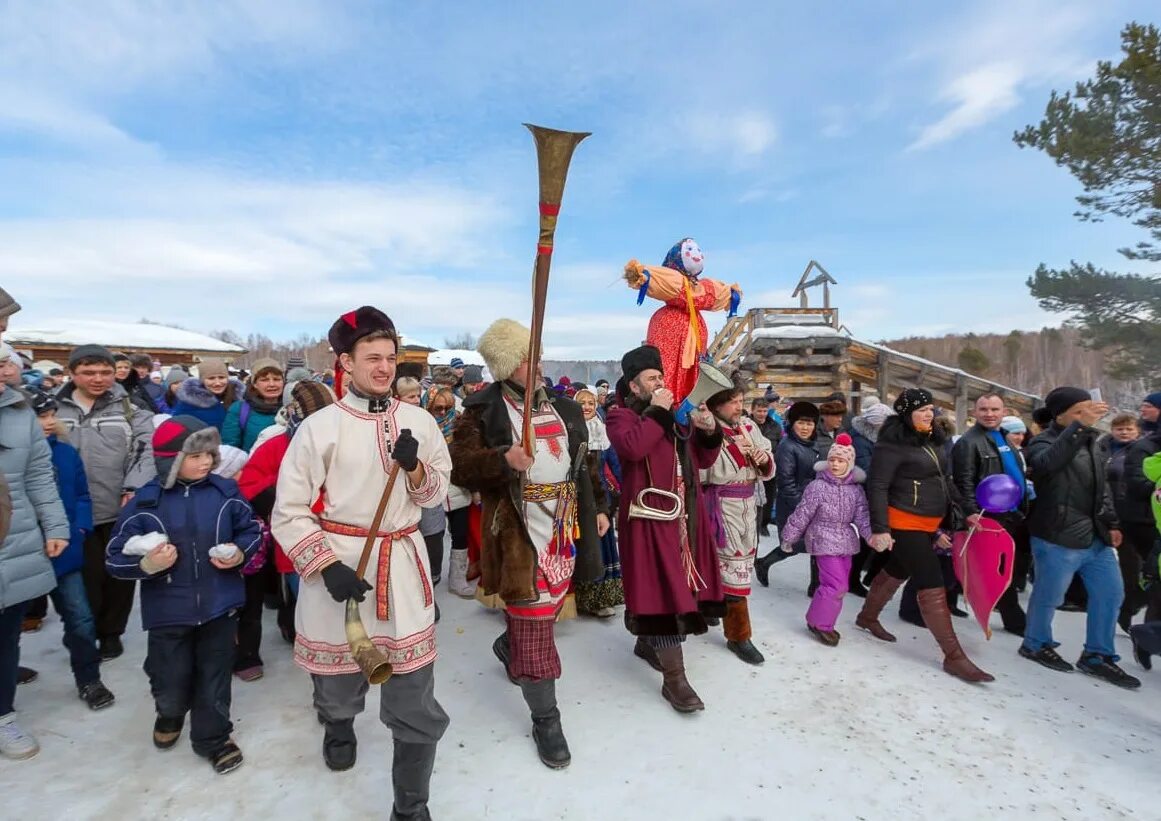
x=832, y=515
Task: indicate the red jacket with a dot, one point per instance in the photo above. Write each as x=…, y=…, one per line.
x=258, y=482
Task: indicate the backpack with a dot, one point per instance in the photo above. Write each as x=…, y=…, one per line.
x=243, y=416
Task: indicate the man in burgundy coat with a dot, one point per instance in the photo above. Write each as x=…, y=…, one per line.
x=670, y=569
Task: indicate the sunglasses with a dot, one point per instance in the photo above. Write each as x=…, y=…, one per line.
x=439, y=409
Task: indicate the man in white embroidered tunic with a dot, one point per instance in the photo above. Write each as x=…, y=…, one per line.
x=338, y=463
x=744, y=460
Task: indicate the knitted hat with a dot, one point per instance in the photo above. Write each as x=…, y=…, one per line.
x=354, y=325
x=306, y=397
x=876, y=415
x=264, y=365
x=644, y=358
x=1154, y=399
x=293, y=362
x=41, y=402
x=297, y=374
x=1013, y=424
x=1059, y=400
x=176, y=375
x=473, y=374
x=90, y=352
x=504, y=347
x=912, y=400
x=8, y=305
x=456, y=362
x=178, y=437
x=601, y=382
x=212, y=367
x=843, y=448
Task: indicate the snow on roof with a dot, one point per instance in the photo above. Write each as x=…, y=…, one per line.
x=115, y=335
x=444, y=356
x=795, y=332
x=927, y=362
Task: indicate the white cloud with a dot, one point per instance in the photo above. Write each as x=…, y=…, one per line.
x=988, y=57
x=742, y=135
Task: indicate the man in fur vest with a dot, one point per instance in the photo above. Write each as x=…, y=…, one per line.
x=543, y=518
x=745, y=459
x=344, y=455
x=670, y=568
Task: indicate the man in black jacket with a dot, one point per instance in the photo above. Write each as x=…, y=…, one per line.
x=1074, y=530
x=981, y=452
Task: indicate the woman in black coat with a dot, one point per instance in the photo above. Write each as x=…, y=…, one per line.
x=911, y=505
x=794, y=462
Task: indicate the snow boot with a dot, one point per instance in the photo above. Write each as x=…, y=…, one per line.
x=933, y=605
x=411, y=777
x=166, y=731
x=226, y=758
x=738, y=632
x=763, y=564
x=1146, y=642
x=1103, y=667
x=551, y=745
x=675, y=687
x=15, y=743
x=880, y=592
x=828, y=637
x=644, y=650
x=457, y=581
x=111, y=648
x=340, y=747
x=503, y=652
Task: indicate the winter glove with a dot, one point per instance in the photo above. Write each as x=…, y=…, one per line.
x=343, y=583
x=406, y=451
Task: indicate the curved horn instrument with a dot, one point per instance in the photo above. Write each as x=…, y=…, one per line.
x=639, y=508
x=553, y=154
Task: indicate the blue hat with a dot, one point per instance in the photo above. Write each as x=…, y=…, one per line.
x=1154, y=399
x=456, y=362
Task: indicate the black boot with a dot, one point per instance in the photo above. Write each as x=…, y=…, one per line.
x=411, y=777
x=1012, y=614
x=763, y=564
x=909, y=605
x=339, y=744
x=546, y=730
x=503, y=652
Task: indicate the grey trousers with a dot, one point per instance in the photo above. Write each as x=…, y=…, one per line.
x=407, y=704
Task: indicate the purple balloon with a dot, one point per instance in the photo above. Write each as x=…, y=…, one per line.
x=998, y=493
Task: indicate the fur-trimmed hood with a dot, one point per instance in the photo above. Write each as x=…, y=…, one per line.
x=856, y=477
x=864, y=428
x=193, y=392
x=896, y=432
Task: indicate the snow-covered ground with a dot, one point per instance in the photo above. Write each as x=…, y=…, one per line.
x=863, y=731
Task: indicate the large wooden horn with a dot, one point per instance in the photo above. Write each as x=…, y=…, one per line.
x=553, y=154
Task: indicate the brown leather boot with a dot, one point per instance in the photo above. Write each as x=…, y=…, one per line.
x=880, y=592
x=643, y=650
x=933, y=606
x=674, y=687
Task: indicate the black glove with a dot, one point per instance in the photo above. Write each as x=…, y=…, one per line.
x=406, y=451
x=344, y=583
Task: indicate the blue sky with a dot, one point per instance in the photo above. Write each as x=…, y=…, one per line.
x=265, y=165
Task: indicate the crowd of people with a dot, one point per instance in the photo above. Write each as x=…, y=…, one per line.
x=329, y=496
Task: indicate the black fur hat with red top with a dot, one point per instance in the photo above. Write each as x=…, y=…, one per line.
x=352, y=326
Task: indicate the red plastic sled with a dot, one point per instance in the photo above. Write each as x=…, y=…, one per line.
x=983, y=559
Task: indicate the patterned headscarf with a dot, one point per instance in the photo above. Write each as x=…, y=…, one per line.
x=676, y=258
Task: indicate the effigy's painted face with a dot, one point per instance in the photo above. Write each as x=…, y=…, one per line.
x=692, y=258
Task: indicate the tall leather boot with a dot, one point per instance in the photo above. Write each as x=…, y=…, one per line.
x=411, y=777
x=933, y=605
x=674, y=687
x=880, y=592
x=551, y=745
x=738, y=632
